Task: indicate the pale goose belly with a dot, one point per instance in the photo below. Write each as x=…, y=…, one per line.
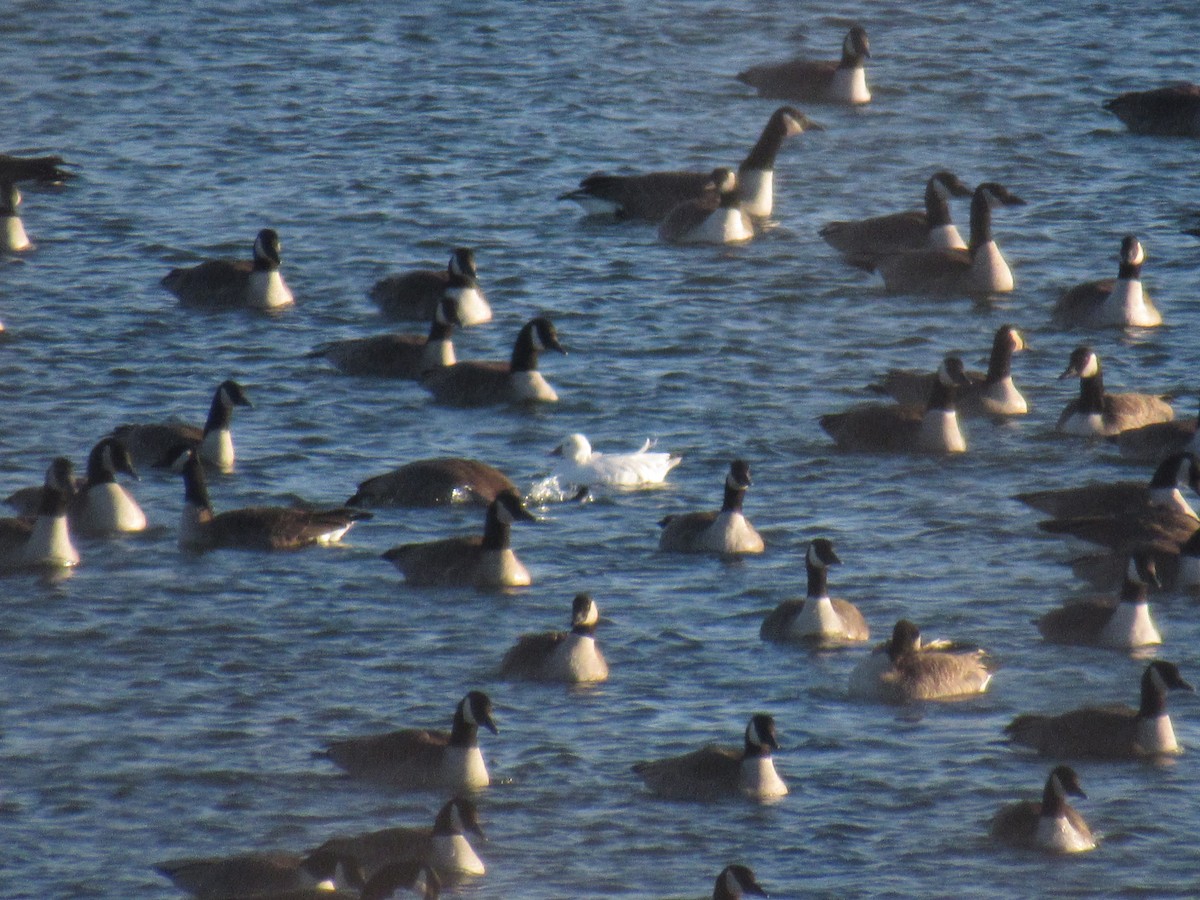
x=109, y=509
x=267, y=290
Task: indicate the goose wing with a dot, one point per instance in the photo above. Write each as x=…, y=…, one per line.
x=796, y=79
x=650, y=196
x=470, y=383
x=391, y=754
x=448, y=561
x=874, y=426
x=711, y=771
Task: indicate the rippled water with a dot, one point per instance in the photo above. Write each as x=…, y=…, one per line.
x=158, y=705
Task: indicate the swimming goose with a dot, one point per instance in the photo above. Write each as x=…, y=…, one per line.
x=1171, y=111
x=736, y=881
x=391, y=881
x=151, y=444
x=726, y=532
x=1099, y=414
x=483, y=561
x=221, y=283
x=844, y=81
x=1171, y=476
x=1122, y=622
x=254, y=527
x=99, y=506
x=570, y=656
x=980, y=269
x=714, y=218
x=419, y=759
x=262, y=873
x=863, y=242
x=1053, y=824
x=13, y=238
x=714, y=772
x=582, y=466
x=883, y=428
x=1103, y=303
x=818, y=618
x=1108, y=732
x=653, y=195
x=444, y=847
x=988, y=394
x=434, y=482
x=46, y=169
x=1153, y=442
x=397, y=355
x=46, y=541
x=485, y=383
x=416, y=295
x=902, y=670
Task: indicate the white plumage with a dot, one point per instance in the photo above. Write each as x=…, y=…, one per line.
x=582, y=465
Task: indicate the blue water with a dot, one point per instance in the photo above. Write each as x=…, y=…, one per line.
x=156, y=705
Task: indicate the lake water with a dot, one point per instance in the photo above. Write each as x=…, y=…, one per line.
x=157, y=705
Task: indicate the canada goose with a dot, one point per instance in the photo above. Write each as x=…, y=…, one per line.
x=714, y=772
x=883, y=428
x=397, y=355
x=434, y=482
x=99, y=506
x=818, y=618
x=46, y=541
x=151, y=444
x=726, y=532
x=256, y=874
x=864, y=241
x=1178, y=471
x=736, y=881
x=1122, y=622
x=13, y=238
x=570, y=656
x=484, y=383
x=1171, y=111
x=714, y=218
x=844, y=81
x=653, y=195
x=220, y=283
x=418, y=759
x=444, y=847
x=1119, y=303
x=1153, y=442
x=980, y=269
x=391, y=881
x=254, y=527
x=583, y=466
x=46, y=169
x=1112, y=731
x=1099, y=414
x=1053, y=824
x=903, y=670
x=484, y=561
x=988, y=394
x=415, y=295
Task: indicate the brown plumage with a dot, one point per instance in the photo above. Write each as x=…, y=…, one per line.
x=1097, y=413
x=415, y=295
x=1108, y=732
x=819, y=81
x=1153, y=442
x=258, y=874
x=1051, y=824
x=1174, y=474
x=46, y=169
x=434, y=482
x=475, y=383
x=397, y=355
x=818, y=618
x=1171, y=111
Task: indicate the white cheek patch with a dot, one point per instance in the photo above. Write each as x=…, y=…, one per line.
x=1091, y=368
x=593, y=614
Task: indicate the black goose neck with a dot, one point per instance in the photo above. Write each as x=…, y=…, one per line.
x=1091, y=394
x=99, y=469
x=818, y=581
x=195, y=489
x=937, y=207
x=1154, y=697
x=440, y=331
x=762, y=155
x=755, y=751
x=584, y=630
x=941, y=396
x=1054, y=798
x=1000, y=362
x=1134, y=591
x=525, y=352
x=496, y=534
x=981, y=221
x=733, y=498
x=54, y=501
x=220, y=412
x=1130, y=271
x=462, y=732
